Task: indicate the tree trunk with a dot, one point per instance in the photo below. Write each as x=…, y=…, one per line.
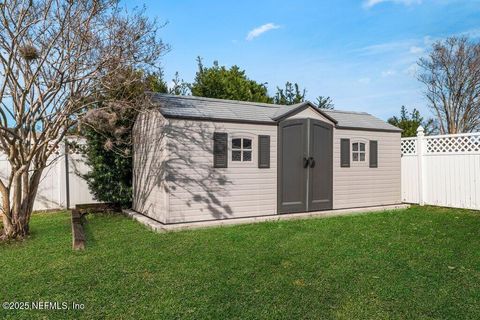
x=8, y=229
x=17, y=212
x=15, y=229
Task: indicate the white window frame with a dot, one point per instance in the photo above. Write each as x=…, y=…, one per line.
x=242, y=149
x=352, y=152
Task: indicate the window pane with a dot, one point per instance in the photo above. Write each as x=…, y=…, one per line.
x=355, y=147
x=247, y=144
x=362, y=146
x=236, y=155
x=247, y=155
x=362, y=156
x=236, y=143
x=355, y=156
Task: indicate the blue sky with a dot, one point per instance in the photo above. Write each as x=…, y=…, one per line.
x=362, y=53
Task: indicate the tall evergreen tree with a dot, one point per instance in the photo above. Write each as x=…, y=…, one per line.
x=410, y=121
x=223, y=83
x=291, y=94
x=324, y=103
x=179, y=87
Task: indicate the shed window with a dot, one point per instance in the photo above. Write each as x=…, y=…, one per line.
x=242, y=149
x=358, y=151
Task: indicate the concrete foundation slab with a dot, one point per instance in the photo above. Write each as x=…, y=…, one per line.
x=160, y=227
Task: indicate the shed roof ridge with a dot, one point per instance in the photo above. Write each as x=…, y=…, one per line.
x=260, y=104
x=345, y=111
x=232, y=110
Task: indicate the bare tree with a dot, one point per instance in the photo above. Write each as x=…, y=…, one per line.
x=53, y=55
x=451, y=74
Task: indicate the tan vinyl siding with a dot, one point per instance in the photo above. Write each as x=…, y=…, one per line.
x=197, y=191
x=362, y=186
x=175, y=181
x=150, y=160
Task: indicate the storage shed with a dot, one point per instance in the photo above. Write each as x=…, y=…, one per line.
x=198, y=159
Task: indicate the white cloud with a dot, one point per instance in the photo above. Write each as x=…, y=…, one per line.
x=472, y=33
x=260, y=30
x=388, y=73
x=414, y=47
x=395, y=46
x=412, y=70
x=372, y=3
x=416, y=50
x=429, y=40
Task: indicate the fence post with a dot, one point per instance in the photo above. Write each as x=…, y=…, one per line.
x=420, y=150
x=67, y=175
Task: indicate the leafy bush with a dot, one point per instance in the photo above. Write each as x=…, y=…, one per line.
x=107, y=128
x=110, y=178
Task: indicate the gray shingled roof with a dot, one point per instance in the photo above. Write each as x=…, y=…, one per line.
x=363, y=120
x=191, y=107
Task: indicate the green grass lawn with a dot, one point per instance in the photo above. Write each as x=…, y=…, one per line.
x=416, y=263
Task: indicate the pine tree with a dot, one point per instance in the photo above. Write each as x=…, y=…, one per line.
x=409, y=122
x=291, y=94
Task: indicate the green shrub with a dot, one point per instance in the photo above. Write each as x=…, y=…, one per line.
x=110, y=178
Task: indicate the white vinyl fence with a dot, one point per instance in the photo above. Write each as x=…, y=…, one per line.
x=442, y=170
x=57, y=189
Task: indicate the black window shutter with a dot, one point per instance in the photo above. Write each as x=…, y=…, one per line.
x=264, y=151
x=220, y=150
x=373, y=154
x=344, y=153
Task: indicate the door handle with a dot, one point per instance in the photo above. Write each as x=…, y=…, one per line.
x=312, y=162
x=305, y=162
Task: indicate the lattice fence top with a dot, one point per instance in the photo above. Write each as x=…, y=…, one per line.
x=464, y=143
x=444, y=144
x=409, y=146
